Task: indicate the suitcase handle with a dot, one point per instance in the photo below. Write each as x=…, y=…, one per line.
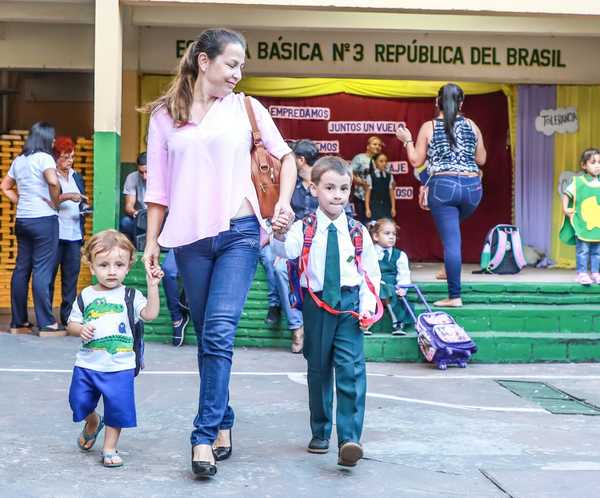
x=421, y=297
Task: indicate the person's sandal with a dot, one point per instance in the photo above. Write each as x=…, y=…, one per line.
x=89, y=437
x=441, y=275
x=449, y=303
x=111, y=459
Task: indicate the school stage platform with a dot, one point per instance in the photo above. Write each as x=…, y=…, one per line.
x=537, y=315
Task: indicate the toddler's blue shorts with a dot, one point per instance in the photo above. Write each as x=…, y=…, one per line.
x=116, y=389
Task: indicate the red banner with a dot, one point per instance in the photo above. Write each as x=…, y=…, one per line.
x=342, y=123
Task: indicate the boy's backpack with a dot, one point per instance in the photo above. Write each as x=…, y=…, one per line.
x=502, y=251
x=441, y=340
x=137, y=329
x=296, y=267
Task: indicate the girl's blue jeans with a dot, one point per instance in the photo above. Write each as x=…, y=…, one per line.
x=587, y=251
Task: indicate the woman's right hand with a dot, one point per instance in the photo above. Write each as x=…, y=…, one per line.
x=151, y=257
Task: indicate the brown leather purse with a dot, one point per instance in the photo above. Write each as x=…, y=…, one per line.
x=265, y=168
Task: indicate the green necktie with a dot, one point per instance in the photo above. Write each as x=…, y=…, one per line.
x=331, y=282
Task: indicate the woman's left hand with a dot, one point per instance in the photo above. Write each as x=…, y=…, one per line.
x=283, y=216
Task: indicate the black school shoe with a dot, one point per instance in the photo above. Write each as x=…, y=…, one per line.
x=273, y=316
x=179, y=330
x=317, y=445
x=349, y=453
x=398, y=328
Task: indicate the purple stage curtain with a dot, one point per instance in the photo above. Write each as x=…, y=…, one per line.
x=534, y=167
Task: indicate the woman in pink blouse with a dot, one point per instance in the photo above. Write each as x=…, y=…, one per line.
x=199, y=142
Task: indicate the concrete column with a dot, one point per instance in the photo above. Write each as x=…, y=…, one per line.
x=108, y=56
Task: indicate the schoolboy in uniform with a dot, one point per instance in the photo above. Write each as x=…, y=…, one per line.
x=334, y=341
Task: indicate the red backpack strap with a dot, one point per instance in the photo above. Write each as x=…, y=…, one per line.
x=309, y=228
x=356, y=234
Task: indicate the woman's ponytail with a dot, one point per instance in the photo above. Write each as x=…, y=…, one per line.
x=449, y=100
x=179, y=96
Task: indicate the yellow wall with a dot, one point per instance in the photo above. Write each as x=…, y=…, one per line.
x=567, y=150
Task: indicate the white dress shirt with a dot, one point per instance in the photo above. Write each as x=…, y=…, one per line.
x=349, y=275
x=402, y=268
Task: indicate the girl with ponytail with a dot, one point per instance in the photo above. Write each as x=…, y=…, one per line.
x=453, y=148
x=199, y=141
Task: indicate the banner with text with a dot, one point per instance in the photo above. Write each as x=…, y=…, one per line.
x=352, y=119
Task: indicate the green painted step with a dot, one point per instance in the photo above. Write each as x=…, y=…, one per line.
x=478, y=318
x=511, y=322
x=494, y=347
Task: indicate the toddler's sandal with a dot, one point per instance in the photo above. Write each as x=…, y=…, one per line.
x=112, y=459
x=89, y=437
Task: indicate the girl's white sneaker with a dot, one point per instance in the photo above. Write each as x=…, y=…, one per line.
x=584, y=279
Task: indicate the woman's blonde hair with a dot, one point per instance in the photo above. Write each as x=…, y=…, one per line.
x=179, y=96
x=106, y=241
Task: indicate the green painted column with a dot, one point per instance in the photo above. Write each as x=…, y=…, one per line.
x=107, y=172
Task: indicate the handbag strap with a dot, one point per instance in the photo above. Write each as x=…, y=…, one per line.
x=256, y=136
x=259, y=147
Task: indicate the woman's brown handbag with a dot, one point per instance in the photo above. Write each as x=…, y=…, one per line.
x=265, y=168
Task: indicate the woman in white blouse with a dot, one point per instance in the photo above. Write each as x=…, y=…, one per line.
x=70, y=225
x=33, y=173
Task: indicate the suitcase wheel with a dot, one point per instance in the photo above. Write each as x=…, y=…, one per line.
x=462, y=364
x=442, y=365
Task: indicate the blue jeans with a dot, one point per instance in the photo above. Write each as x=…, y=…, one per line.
x=294, y=316
x=217, y=274
x=37, y=246
x=127, y=226
x=69, y=260
x=452, y=199
x=267, y=259
x=171, y=285
x=587, y=251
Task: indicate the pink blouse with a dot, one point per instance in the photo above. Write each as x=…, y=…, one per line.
x=201, y=172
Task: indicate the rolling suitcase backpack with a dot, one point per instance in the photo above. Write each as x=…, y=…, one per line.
x=441, y=340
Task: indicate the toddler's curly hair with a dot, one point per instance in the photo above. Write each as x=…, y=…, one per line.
x=105, y=241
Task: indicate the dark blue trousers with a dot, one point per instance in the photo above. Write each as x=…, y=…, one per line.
x=37, y=246
x=69, y=260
